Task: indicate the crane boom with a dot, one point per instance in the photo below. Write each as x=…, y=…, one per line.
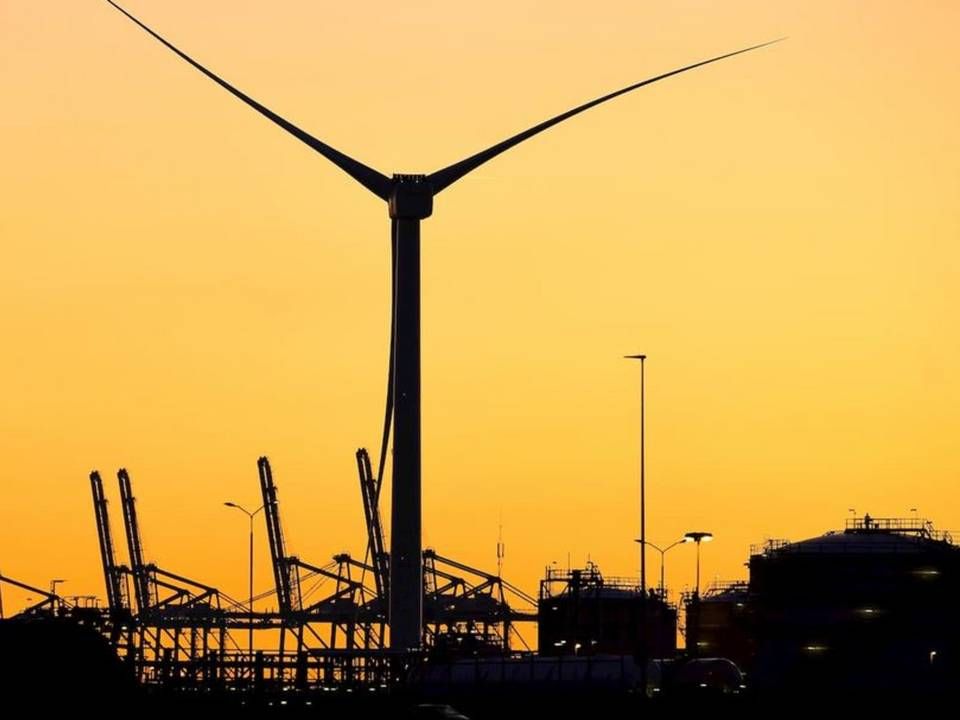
x=142, y=581
x=117, y=599
x=288, y=594
x=370, y=491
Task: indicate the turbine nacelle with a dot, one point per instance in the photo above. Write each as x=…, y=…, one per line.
x=411, y=197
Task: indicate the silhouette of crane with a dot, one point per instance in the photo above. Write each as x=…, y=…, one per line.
x=410, y=200
x=285, y=576
x=370, y=492
x=114, y=575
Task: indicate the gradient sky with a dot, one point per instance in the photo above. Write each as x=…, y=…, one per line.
x=185, y=287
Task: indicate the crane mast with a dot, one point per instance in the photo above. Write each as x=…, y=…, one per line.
x=284, y=572
x=142, y=580
x=370, y=491
x=117, y=599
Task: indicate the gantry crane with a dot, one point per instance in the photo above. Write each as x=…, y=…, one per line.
x=459, y=601
x=143, y=586
x=181, y=625
x=119, y=627
x=180, y=629
x=114, y=575
x=376, y=548
x=285, y=576
x=343, y=609
x=149, y=579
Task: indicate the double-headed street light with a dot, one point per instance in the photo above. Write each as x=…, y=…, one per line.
x=250, y=600
x=663, y=552
x=690, y=537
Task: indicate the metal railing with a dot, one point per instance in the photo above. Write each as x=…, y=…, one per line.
x=768, y=546
x=902, y=526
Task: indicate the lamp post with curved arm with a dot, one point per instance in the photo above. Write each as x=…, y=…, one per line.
x=663, y=552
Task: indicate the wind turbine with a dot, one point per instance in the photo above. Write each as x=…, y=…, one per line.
x=409, y=199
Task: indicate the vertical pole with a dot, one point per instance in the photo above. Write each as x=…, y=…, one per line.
x=406, y=572
x=698, y=569
x=694, y=639
x=663, y=554
x=644, y=623
x=250, y=584
x=643, y=472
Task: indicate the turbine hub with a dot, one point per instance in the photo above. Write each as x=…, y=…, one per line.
x=411, y=197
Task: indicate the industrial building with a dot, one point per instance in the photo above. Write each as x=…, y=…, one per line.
x=718, y=623
x=581, y=612
x=868, y=608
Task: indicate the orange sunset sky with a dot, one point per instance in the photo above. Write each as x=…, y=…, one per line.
x=185, y=287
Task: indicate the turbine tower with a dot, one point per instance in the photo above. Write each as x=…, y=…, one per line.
x=409, y=200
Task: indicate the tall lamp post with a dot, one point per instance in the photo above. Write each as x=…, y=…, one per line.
x=663, y=552
x=698, y=537
x=250, y=596
x=643, y=526
x=643, y=472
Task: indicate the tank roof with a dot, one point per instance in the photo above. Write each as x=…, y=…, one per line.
x=867, y=535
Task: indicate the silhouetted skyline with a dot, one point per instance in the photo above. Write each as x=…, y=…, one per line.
x=779, y=236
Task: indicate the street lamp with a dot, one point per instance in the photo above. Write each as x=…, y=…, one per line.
x=643, y=472
x=250, y=600
x=663, y=552
x=698, y=537
x=643, y=525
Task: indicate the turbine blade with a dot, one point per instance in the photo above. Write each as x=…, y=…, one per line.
x=374, y=181
x=447, y=176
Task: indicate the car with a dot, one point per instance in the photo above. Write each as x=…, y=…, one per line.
x=436, y=711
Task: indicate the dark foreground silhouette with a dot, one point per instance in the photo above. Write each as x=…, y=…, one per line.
x=57, y=664
x=49, y=662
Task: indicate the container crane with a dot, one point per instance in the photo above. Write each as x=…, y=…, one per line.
x=376, y=548
x=114, y=576
x=143, y=586
x=286, y=579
